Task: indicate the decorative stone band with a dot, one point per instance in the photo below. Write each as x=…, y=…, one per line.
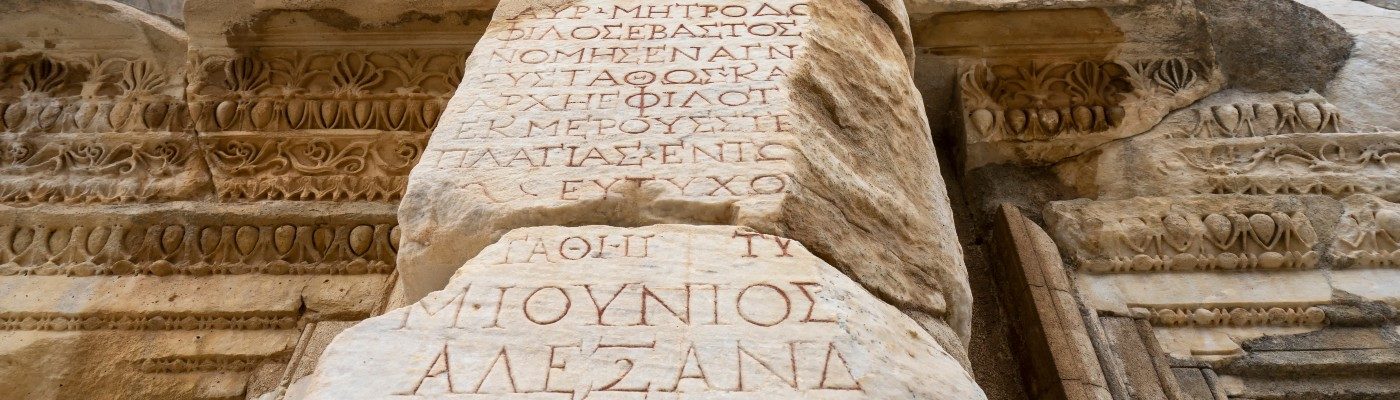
x=1234, y=316
x=332, y=166
x=1204, y=262
x=207, y=363
x=1369, y=234
x=1330, y=164
x=1263, y=119
x=56, y=244
x=108, y=168
x=92, y=115
x=1045, y=111
x=1216, y=241
x=39, y=93
x=152, y=321
x=326, y=89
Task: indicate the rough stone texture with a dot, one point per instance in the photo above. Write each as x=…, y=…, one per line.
x=1388, y=4
x=1365, y=85
x=671, y=311
x=784, y=146
x=1275, y=45
x=172, y=9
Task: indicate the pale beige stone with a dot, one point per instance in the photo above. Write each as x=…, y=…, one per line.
x=666, y=311
x=797, y=122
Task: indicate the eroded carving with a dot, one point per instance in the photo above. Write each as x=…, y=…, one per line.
x=99, y=170
x=1184, y=242
x=206, y=363
x=76, y=249
x=145, y=321
x=322, y=167
x=1236, y=316
x=1369, y=234
x=1042, y=100
x=327, y=89
x=1264, y=119
x=44, y=94
x=1337, y=166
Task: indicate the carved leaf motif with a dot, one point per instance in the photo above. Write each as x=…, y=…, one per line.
x=21, y=238
x=322, y=239
x=1175, y=74
x=394, y=238
x=1267, y=117
x=44, y=76
x=296, y=113
x=225, y=113
x=155, y=114
x=354, y=74
x=1311, y=115
x=140, y=77
x=261, y=114
x=1264, y=228
x=245, y=75
x=1219, y=228
x=321, y=156
x=59, y=239
x=14, y=116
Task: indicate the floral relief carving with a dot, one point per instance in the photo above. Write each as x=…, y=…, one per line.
x=97, y=170
x=1369, y=237
x=40, y=94
x=1216, y=241
x=1262, y=119
x=1038, y=101
x=375, y=90
x=146, y=321
x=161, y=249
x=1333, y=166
x=344, y=167
x=1236, y=316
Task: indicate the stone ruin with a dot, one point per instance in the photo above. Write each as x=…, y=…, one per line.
x=626, y=199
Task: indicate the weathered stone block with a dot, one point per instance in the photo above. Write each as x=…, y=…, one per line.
x=667, y=311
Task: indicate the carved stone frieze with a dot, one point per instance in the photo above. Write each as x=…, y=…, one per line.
x=206, y=363
x=42, y=93
x=1040, y=111
x=1235, y=316
x=1369, y=234
x=341, y=167
x=102, y=168
x=1156, y=235
x=171, y=242
x=387, y=90
x=1264, y=119
x=1336, y=165
x=145, y=321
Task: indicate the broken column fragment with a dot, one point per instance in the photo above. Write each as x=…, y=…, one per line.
x=797, y=119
